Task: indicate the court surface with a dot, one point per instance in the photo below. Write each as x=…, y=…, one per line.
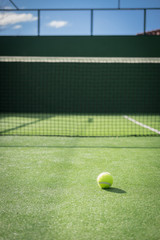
x=48, y=188
x=79, y=125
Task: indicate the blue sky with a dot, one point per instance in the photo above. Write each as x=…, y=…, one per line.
x=78, y=22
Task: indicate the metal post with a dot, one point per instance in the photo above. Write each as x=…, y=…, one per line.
x=13, y=4
x=144, y=30
x=91, y=22
x=38, y=22
x=119, y=5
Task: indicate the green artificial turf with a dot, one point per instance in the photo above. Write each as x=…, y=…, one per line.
x=77, y=125
x=48, y=188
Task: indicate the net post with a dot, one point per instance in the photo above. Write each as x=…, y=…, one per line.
x=91, y=22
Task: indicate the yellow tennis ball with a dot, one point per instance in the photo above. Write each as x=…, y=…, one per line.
x=105, y=180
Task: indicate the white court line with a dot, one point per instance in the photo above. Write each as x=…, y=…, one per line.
x=142, y=125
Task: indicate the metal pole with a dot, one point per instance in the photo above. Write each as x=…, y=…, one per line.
x=119, y=4
x=79, y=9
x=91, y=22
x=144, y=30
x=38, y=22
x=13, y=4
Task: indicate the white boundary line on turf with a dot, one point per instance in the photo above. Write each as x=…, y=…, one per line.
x=142, y=125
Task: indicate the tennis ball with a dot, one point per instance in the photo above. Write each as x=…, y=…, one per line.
x=105, y=180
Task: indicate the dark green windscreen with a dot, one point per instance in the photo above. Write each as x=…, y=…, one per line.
x=84, y=46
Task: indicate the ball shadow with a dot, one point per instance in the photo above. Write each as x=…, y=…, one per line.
x=115, y=190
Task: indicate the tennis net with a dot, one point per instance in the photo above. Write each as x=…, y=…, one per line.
x=73, y=96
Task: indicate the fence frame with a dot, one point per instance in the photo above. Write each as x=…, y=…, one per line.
x=91, y=10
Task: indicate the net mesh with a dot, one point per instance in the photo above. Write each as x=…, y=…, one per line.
x=55, y=96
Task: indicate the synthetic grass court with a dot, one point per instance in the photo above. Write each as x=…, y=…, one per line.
x=77, y=125
x=48, y=188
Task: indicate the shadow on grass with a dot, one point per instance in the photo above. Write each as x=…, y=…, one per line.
x=115, y=190
x=24, y=125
